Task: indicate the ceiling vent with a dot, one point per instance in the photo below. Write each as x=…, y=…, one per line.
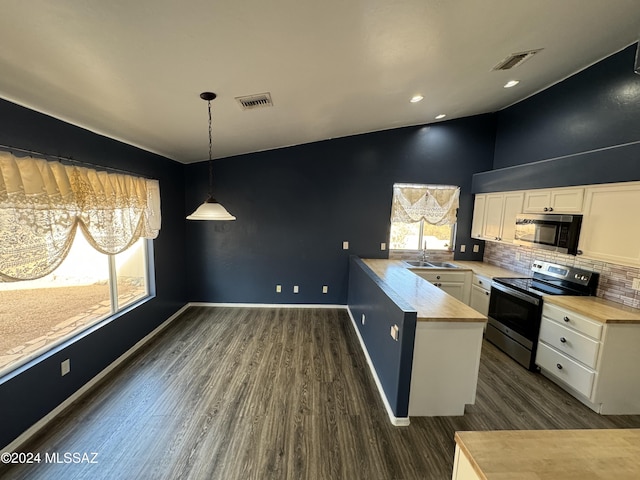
x=259, y=100
x=515, y=59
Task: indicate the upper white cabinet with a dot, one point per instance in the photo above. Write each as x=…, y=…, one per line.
x=477, y=224
x=611, y=223
x=554, y=200
x=500, y=212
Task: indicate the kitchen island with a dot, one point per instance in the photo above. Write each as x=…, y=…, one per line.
x=547, y=455
x=423, y=345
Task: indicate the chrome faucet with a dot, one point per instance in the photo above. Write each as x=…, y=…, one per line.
x=424, y=252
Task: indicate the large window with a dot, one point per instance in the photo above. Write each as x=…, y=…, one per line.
x=423, y=217
x=73, y=250
x=86, y=288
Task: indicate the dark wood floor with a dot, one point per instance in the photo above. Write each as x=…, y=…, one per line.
x=227, y=393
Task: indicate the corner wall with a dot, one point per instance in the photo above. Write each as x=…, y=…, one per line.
x=35, y=389
x=581, y=131
x=295, y=206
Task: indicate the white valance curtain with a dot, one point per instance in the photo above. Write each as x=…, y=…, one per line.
x=435, y=204
x=42, y=203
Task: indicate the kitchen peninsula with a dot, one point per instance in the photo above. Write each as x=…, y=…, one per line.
x=423, y=346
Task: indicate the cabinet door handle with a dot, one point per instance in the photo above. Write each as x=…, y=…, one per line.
x=566, y=319
x=551, y=209
x=486, y=293
x=558, y=366
x=438, y=277
x=546, y=209
x=563, y=340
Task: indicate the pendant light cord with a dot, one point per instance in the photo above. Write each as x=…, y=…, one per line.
x=210, y=154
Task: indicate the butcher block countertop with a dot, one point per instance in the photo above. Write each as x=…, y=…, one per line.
x=597, y=308
x=553, y=454
x=431, y=303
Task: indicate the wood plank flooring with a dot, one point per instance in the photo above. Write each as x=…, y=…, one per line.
x=278, y=393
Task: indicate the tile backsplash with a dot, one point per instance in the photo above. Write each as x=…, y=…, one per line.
x=615, y=280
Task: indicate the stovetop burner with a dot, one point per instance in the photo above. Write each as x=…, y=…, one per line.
x=553, y=279
x=535, y=287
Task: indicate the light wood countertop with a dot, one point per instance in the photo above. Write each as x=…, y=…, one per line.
x=553, y=454
x=597, y=308
x=431, y=303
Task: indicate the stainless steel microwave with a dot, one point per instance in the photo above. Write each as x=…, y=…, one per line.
x=556, y=232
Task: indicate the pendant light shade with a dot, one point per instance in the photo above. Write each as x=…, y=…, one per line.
x=210, y=209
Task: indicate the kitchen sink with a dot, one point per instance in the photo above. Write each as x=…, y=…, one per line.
x=421, y=264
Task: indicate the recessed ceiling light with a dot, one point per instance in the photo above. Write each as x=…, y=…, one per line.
x=416, y=98
x=442, y=115
x=511, y=83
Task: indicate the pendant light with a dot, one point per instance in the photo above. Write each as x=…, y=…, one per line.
x=210, y=209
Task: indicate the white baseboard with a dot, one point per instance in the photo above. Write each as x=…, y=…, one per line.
x=266, y=305
x=396, y=421
x=40, y=424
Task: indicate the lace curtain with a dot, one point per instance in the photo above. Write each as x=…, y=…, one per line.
x=435, y=204
x=43, y=203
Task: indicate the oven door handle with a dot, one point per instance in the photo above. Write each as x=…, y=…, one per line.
x=515, y=293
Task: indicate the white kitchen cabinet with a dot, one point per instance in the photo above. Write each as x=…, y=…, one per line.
x=462, y=468
x=456, y=284
x=480, y=294
x=611, y=223
x=594, y=361
x=554, y=200
x=477, y=224
x=500, y=216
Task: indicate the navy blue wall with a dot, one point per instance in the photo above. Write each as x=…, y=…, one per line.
x=37, y=388
x=295, y=206
x=393, y=360
x=584, y=130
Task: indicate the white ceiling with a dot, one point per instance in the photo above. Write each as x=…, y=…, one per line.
x=133, y=69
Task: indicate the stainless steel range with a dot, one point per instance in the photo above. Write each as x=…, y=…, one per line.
x=515, y=306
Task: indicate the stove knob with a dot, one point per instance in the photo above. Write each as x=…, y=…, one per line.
x=577, y=275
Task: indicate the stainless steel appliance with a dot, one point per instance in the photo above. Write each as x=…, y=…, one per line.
x=515, y=306
x=559, y=233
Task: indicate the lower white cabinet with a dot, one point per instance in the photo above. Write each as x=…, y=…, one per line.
x=462, y=468
x=480, y=293
x=594, y=361
x=456, y=284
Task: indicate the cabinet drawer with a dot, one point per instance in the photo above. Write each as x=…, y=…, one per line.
x=564, y=368
x=441, y=275
x=482, y=282
x=573, y=320
x=570, y=342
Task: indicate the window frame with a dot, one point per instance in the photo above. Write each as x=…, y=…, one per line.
x=116, y=312
x=450, y=248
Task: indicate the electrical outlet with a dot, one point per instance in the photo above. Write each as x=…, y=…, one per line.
x=325, y=289
x=636, y=284
x=383, y=246
x=476, y=248
x=394, y=332
x=278, y=288
x=463, y=248
x=362, y=320
x=345, y=245
x=295, y=289
x=65, y=367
